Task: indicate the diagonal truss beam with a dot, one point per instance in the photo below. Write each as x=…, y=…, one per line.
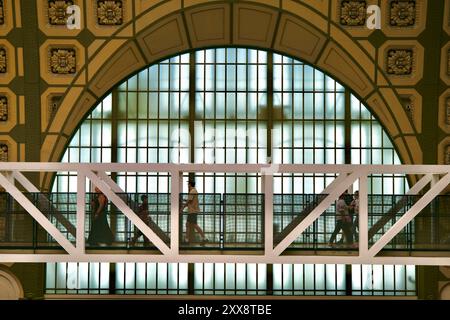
x=30, y=187
x=304, y=214
x=410, y=214
x=123, y=207
x=418, y=186
x=334, y=192
x=36, y=214
x=122, y=194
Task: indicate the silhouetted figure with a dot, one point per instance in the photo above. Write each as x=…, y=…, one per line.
x=355, y=206
x=193, y=209
x=343, y=221
x=144, y=216
x=100, y=230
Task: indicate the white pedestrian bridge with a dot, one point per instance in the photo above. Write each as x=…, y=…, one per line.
x=412, y=228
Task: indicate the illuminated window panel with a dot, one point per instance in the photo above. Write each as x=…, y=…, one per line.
x=217, y=106
x=383, y=280
x=308, y=279
x=77, y=278
x=230, y=279
x=151, y=278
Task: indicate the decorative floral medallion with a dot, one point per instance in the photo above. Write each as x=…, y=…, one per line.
x=353, y=13
x=57, y=11
x=3, y=60
x=448, y=62
x=399, y=62
x=3, y=108
x=3, y=152
x=447, y=155
x=63, y=61
x=110, y=12
x=403, y=13
x=2, y=13
x=447, y=111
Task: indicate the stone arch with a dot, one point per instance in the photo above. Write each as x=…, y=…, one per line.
x=10, y=286
x=300, y=30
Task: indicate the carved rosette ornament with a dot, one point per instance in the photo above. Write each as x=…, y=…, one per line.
x=447, y=111
x=3, y=108
x=353, y=13
x=110, y=12
x=448, y=62
x=62, y=61
x=447, y=155
x=57, y=11
x=3, y=152
x=2, y=13
x=399, y=62
x=403, y=13
x=3, y=61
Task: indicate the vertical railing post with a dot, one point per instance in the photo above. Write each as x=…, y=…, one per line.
x=176, y=185
x=363, y=217
x=433, y=215
x=11, y=216
x=267, y=186
x=81, y=214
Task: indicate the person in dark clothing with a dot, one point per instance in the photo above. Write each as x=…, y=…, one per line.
x=343, y=222
x=348, y=198
x=144, y=215
x=100, y=230
x=355, y=207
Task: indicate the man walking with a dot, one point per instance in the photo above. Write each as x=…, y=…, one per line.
x=193, y=209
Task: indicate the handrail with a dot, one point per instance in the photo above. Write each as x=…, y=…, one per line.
x=274, y=248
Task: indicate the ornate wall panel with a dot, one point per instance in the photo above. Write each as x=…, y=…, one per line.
x=8, y=109
x=161, y=10
x=50, y=105
x=208, y=25
x=254, y=24
x=444, y=151
x=297, y=38
x=126, y=60
x=383, y=114
x=61, y=61
x=446, y=21
x=351, y=16
x=8, y=149
x=52, y=17
x=106, y=17
x=308, y=14
x=8, y=65
x=164, y=38
x=402, y=61
x=444, y=111
x=6, y=17
x=445, y=63
x=339, y=64
x=412, y=104
x=402, y=18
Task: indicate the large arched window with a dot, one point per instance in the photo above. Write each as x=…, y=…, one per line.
x=236, y=105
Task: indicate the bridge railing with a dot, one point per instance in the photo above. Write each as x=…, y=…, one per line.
x=273, y=225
